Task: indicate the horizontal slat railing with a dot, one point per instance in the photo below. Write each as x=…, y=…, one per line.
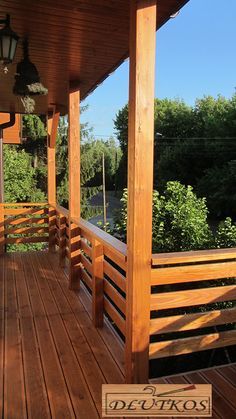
x=192, y=292
x=101, y=262
x=24, y=223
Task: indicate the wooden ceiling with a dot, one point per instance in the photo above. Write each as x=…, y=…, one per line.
x=70, y=40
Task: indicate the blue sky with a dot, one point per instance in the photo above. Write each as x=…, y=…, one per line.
x=195, y=56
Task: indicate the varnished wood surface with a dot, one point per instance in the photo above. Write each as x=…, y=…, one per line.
x=53, y=361
x=80, y=40
x=223, y=380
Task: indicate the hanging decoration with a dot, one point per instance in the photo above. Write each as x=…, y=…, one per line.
x=27, y=81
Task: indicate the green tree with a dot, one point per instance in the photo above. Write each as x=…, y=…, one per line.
x=20, y=183
x=179, y=220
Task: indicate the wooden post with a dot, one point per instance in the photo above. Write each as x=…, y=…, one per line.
x=74, y=183
x=62, y=240
x=140, y=187
x=51, y=151
x=97, y=283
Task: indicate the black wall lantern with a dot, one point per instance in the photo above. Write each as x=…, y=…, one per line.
x=8, y=42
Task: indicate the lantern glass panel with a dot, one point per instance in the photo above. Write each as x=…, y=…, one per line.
x=13, y=48
x=6, y=44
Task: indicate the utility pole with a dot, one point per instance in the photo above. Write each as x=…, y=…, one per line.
x=104, y=192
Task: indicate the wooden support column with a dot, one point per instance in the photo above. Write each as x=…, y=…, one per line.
x=51, y=155
x=74, y=185
x=140, y=187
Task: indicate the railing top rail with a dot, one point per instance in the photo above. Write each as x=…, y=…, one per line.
x=193, y=256
x=102, y=236
x=62, y=210
x=99, y=234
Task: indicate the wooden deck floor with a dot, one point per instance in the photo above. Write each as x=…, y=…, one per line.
x=223, y=380
x=52, y=360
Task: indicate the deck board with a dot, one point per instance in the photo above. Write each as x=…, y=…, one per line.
x=53, y=361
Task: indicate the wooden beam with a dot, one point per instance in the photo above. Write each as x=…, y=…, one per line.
x=74, y=176
x=51, y=165
x=54, y=122
x=51, y=151
x=140, y=187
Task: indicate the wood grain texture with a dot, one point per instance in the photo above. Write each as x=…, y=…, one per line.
x=114, y=315
x=193, y=256
x=74, y=176
x=204, y=272
x=194, y=297
x=192, y=321
x=85, y=40
x=193, y=344
x=140, y=186
x=97, y=283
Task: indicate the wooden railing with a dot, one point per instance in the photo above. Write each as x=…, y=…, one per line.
x=99, y=261
x=192, y=292
x=23, y=223
x=185, y=291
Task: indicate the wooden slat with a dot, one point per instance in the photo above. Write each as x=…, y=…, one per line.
x=115, y=316
x=190, y=273
x=86, y=278
x=86, y=248
x=34, y=381
x=26, y=230
x=194, y=297
x=192, y=321
x=25, y=220
x=193, y=344
x=86, y=235
x=14, y=389
x=24, y=204
x=114, y=295
x=119, y=259
x=97, y=283
x=172, y=258
x=17, y=240
x=25, y=211
x=114, y=275
x=86, y=263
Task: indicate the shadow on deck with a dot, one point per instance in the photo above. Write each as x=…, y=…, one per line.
x=53, y=360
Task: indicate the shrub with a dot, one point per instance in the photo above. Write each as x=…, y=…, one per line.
x=179, y=220
x=226, y=234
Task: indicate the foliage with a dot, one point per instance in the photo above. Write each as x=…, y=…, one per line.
x=196, y=147
x=226, y=234
x=218, y=184
x=179, y=219
x=19, y=177
x=91, y=165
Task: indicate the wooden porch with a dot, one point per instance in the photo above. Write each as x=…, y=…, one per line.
x=54, y=361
